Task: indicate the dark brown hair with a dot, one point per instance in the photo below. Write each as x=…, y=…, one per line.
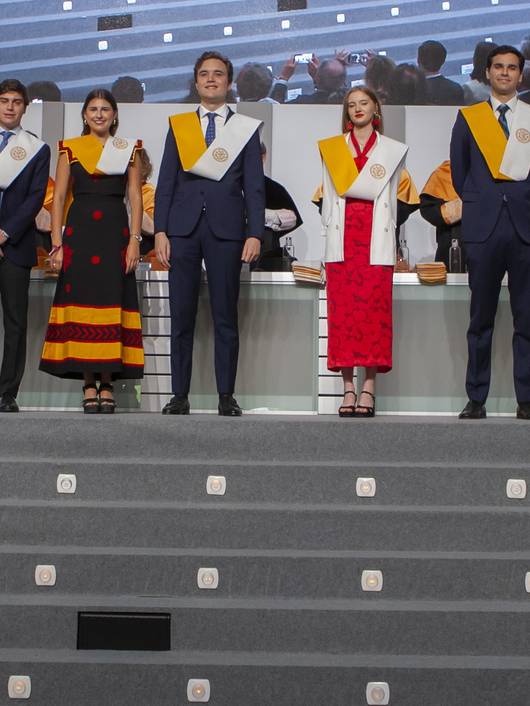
x=505, y=49
x=214, y=55
x=367, y=92
x=13, y=85
x=106, y=96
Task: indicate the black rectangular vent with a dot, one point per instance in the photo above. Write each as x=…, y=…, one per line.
x=124, y=631
x=114, y=22
x=286, y=5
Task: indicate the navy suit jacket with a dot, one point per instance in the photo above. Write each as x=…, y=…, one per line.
x=481, y=194
x=21, y=202
x=235, y=205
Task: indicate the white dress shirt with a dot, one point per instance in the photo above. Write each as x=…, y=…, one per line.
x=512, y=103
x=221, y=113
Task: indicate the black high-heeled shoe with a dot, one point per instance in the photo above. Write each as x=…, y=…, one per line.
x=367, y=410
x=107, y=405
x=90, y=404
x=348, y=410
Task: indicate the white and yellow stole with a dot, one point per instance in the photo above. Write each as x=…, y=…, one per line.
x=507, y=159
x=214, y=161
x=19, y=151
x=111, y=159
x=385, y=158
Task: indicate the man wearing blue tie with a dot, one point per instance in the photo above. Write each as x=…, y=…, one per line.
x=209, y=204
x=24, y=171
x=490, y=164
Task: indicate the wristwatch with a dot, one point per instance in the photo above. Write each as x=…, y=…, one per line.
x=137, y=237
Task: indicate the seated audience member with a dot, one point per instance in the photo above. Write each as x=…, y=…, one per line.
x=379, y=76
x=127, y=89
x=409, y=86
x=329, y=77
x=440, y=90
x=524, y=90
x=441, y=206
x=254, y=83
x=44, y=92
x=477, y=89
x=281, y=218
x=279, y=89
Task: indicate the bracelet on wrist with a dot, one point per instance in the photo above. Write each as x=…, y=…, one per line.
x=137, y=237
x=55, y=249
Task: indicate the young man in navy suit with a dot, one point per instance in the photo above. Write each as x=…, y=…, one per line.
x=24, y=171
x=490, y=164
x=209, y=204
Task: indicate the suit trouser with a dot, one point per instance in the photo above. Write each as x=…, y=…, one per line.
x=503, y=251
x=223, y=268
x=14, y=290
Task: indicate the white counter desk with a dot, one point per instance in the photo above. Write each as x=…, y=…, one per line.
x=282, y=363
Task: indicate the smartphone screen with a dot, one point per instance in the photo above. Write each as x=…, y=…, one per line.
x=303, y=58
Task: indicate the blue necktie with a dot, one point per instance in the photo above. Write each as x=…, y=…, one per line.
x=6, y=134
x=210, y=130
x=502, y=110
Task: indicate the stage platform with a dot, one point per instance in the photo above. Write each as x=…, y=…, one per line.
x=313, y=509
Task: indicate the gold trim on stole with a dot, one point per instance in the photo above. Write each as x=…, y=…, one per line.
x=488, y=135
x=191, y=144
x=339, y=162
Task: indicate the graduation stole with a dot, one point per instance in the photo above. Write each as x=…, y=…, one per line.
x=508, y=160
x=367, y=184
x=440, y=183
x=20, y=150
x=214, y=161
x=111, y=159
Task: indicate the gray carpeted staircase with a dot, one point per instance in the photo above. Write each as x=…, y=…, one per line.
x=289, y=624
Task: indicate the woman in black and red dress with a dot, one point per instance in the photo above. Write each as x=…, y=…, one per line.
x=94, y=332
x=360, y=249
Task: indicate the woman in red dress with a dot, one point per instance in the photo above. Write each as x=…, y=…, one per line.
x=359, y=294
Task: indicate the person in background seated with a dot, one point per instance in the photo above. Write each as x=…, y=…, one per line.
x=281, y=218
x=524, y=88
x=127, y=89
x=441, y=206
x=44, y=92
x=254, y=83
x=361, y=174
x=440, y=90
x=329, y=77
x=409, y=86
x=379, y=76
x=24, y=169
x=478, y=87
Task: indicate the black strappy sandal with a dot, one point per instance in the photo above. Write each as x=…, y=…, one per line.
x=106, y=405
x=369, y=411
x=348, y=410
x=90, y=404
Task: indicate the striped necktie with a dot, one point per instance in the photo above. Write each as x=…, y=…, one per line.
x=6, y=134
x=210, y=130
x=502, y=110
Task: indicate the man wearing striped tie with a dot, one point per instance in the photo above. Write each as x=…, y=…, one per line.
x=24, y=171
x=490, y=165
x=209, y=204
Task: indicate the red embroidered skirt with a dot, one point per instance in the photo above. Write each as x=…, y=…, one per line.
x=359, y=299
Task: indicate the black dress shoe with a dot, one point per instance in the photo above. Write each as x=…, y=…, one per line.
x=523, y=410
x=8, y=404
x=473, y=410
x=177, y=405
x=228, y=407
